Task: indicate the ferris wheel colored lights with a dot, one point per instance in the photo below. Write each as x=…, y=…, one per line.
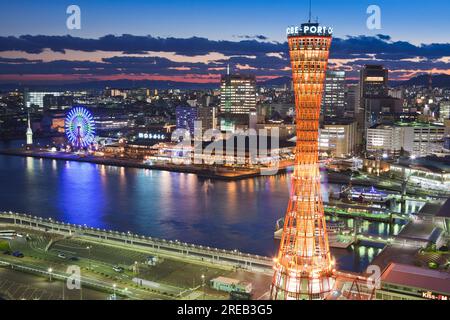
x=80, y=127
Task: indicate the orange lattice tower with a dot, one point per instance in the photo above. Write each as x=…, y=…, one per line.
x=303, y=268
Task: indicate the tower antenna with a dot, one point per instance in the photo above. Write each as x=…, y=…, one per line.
x=309, y=20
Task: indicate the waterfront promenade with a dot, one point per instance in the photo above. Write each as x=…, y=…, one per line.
x=210, y=172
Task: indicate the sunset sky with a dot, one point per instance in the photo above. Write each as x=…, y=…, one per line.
x=193, y=41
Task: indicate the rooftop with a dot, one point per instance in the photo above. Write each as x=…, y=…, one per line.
x=408, y=124
x=430, y=208
x=444, y=210
x=418, y=231
x=431, y=163
x=225, y=280
x=418, y=124
x=415, y=277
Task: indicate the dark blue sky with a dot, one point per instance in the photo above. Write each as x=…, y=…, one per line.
x=195, y=40
x=416, y=21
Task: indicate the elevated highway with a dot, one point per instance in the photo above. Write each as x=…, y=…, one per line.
x=229, y=258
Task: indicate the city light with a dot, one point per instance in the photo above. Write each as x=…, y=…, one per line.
x=153, y=150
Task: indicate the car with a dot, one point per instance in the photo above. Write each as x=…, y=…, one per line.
x=7, y=252
x=152, y=260
x=17, y=254
x=118, y=269
x=61, y=255
x=74, y=259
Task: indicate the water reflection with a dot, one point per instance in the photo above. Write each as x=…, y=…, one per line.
x=232, y=215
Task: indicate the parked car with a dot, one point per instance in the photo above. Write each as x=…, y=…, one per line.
x=61, y=255
x=17, y=254
x=118, y=269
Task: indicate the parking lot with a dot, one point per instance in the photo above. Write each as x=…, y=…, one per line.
x=171, y=277
x=18, y=286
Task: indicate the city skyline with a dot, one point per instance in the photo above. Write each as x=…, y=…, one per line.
x=231, y=151
x=141, y=41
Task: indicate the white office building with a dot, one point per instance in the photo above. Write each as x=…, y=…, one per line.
x=338, y=139
x=36, y=99
x=417, y=139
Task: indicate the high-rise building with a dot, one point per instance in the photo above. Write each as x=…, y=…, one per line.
x=352, y=99
x=374, y=82
x=303, y=267
x=208, y=117
x=35, y=100
x=186, y=117
x=252, y=119
x=333, y=102
x=237, y=98
x=378, y=109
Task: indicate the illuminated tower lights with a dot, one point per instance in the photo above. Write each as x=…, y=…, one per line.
x=303, y=268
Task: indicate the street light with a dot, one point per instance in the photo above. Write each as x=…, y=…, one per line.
x=50, y=270
x=203, y=285
x=89, y=248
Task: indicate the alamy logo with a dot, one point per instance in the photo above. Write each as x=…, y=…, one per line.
x=74, y=278
x=374, y=20
x=258, y=149
x=74, y=20
x=374, y=280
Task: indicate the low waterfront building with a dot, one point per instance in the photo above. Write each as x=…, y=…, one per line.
x=406, y=282
x=230, y=285
x=234, y=151
x=105, y=121
x=375, y=166
x=430, y=172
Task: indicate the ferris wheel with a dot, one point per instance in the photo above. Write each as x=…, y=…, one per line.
x=80, y=127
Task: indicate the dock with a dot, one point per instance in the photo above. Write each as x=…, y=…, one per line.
x=335, y=240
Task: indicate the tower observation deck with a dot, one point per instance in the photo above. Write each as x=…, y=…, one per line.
x=303, y=268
